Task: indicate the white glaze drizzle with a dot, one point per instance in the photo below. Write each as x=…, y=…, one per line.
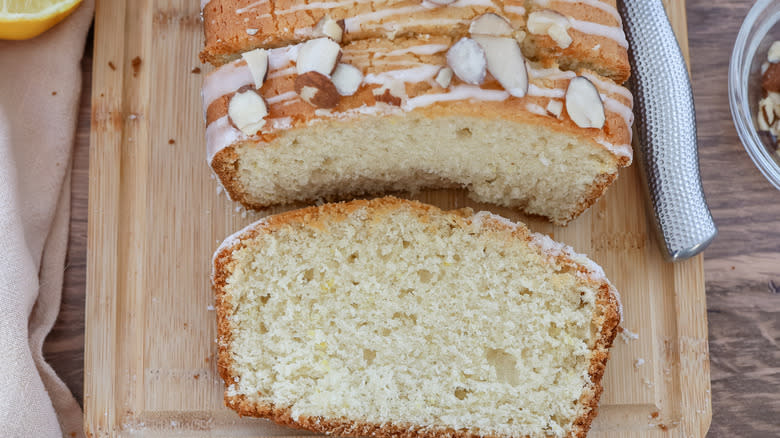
x=425, y=49
x=281, y=97
x=518, y=10
x=250, y=6
x=620, y=108
x=282, y=72
x=219, y=135
x=225, y=80
x=233, y=76
x=548, y=73
x=609, y=86
x=316, y=5
x=282, y=56
x=555, y=93
x=469, y=3
x=459, y=92
x=612, y=32
x=281, y=123
x=352, y=24
x=393, y=26
x=623, y=150
x=416, y=74
x=598, y=4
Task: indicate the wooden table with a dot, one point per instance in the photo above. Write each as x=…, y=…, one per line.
x=742, y=266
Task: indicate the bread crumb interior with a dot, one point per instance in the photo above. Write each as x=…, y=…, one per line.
x=521, y=165
x=400, y=315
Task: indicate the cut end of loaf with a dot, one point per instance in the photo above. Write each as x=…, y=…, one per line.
x=387, y=316
x=546, y=172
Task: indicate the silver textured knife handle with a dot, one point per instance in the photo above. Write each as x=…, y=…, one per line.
x=666, y=126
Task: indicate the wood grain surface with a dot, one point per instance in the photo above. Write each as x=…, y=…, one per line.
x=742, y=267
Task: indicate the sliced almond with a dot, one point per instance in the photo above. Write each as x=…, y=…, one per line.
x=347, y=79
x=442, y=2
x=770, y=80
x=328, y=27
x=766, y=113
x=467, y=60
x=319, y=55
x=444, y=77
x=257, y=60
x=774, y=53
x=584, y=105
x=552, y=24
x=555, y=107
x=247, y=111
x=491, y=24
x=391, y=93
x=317, y=90
x=506, y=63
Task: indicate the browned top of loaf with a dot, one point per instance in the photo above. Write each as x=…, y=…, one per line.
x=235, y=26
x=370, y=57
x=608, y=320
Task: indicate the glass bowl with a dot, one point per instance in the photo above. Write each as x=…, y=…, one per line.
x=757, y=33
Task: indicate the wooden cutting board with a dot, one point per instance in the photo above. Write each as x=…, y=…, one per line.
x=156, y=216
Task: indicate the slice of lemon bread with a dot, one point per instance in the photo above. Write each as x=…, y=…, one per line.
x=394, y=318
x=551, y=150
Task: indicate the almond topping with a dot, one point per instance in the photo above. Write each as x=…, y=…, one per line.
x=774, y=53
x=770, y=80
x=491, y=24
x=347, y=79
x=328, y=27
x=467, y=60
x=317, y=90
x=552, y=24
x=555, y=107
x=444, y=77
x=506, y=63
x=257, y=60
x=319, y=55
x=584, y=105
x=247, y=111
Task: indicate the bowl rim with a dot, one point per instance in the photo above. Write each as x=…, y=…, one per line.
x=741, y=113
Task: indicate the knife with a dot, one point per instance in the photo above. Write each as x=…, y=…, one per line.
x=666, y=128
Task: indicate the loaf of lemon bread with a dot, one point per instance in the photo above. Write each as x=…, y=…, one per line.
x=394, y=318
x=513, y=104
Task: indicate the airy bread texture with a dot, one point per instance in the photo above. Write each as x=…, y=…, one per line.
x=390, y=317
x=495, y=160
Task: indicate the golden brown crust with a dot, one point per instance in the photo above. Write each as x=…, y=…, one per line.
x=602, y=55
x=607, y=321
x=282, y=22
x=277, y=23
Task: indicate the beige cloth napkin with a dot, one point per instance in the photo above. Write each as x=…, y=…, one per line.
x=40, y=83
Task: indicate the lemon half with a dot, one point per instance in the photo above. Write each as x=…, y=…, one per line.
x=23, y=19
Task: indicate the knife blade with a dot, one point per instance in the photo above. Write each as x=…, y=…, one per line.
x=666, y=128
